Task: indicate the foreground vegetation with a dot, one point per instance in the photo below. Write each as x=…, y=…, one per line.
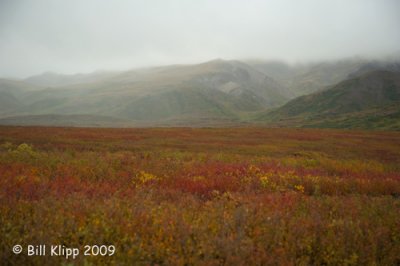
x=246, y=196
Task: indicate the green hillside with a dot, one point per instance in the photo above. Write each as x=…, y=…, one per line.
x=301, y=79
x=359, y=94
x=218, y=90
x=371, y=100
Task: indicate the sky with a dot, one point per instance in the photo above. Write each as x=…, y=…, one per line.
x=75, y=36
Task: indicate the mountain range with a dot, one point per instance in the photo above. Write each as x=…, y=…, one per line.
x=347, y=93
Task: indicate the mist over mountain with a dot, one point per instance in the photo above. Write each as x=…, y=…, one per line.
x=310, y=77
x=215, y=90
x=214, y=93
x=81, y=36
x=367, y=100
x=51, y=79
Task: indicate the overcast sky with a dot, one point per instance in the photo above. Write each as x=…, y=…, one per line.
x=70, y=36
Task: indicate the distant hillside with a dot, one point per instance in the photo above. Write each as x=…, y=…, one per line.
x=301, y=79
x=50, y=79
x=16, y=86
x=393, y=66
x=368, y=101
x=218, y=90
x=345, y=93
x=10, y=92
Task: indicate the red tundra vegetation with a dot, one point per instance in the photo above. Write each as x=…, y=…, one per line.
x=183, y=196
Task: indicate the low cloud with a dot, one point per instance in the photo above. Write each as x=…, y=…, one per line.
x=83, y=36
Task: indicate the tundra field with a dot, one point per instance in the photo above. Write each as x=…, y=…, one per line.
x=183, y=196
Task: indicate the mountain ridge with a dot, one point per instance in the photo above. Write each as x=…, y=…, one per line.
x=219, y=89
x=215, y=92
x=377, y=90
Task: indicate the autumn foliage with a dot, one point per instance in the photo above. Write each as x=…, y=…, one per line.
x=182, y=196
